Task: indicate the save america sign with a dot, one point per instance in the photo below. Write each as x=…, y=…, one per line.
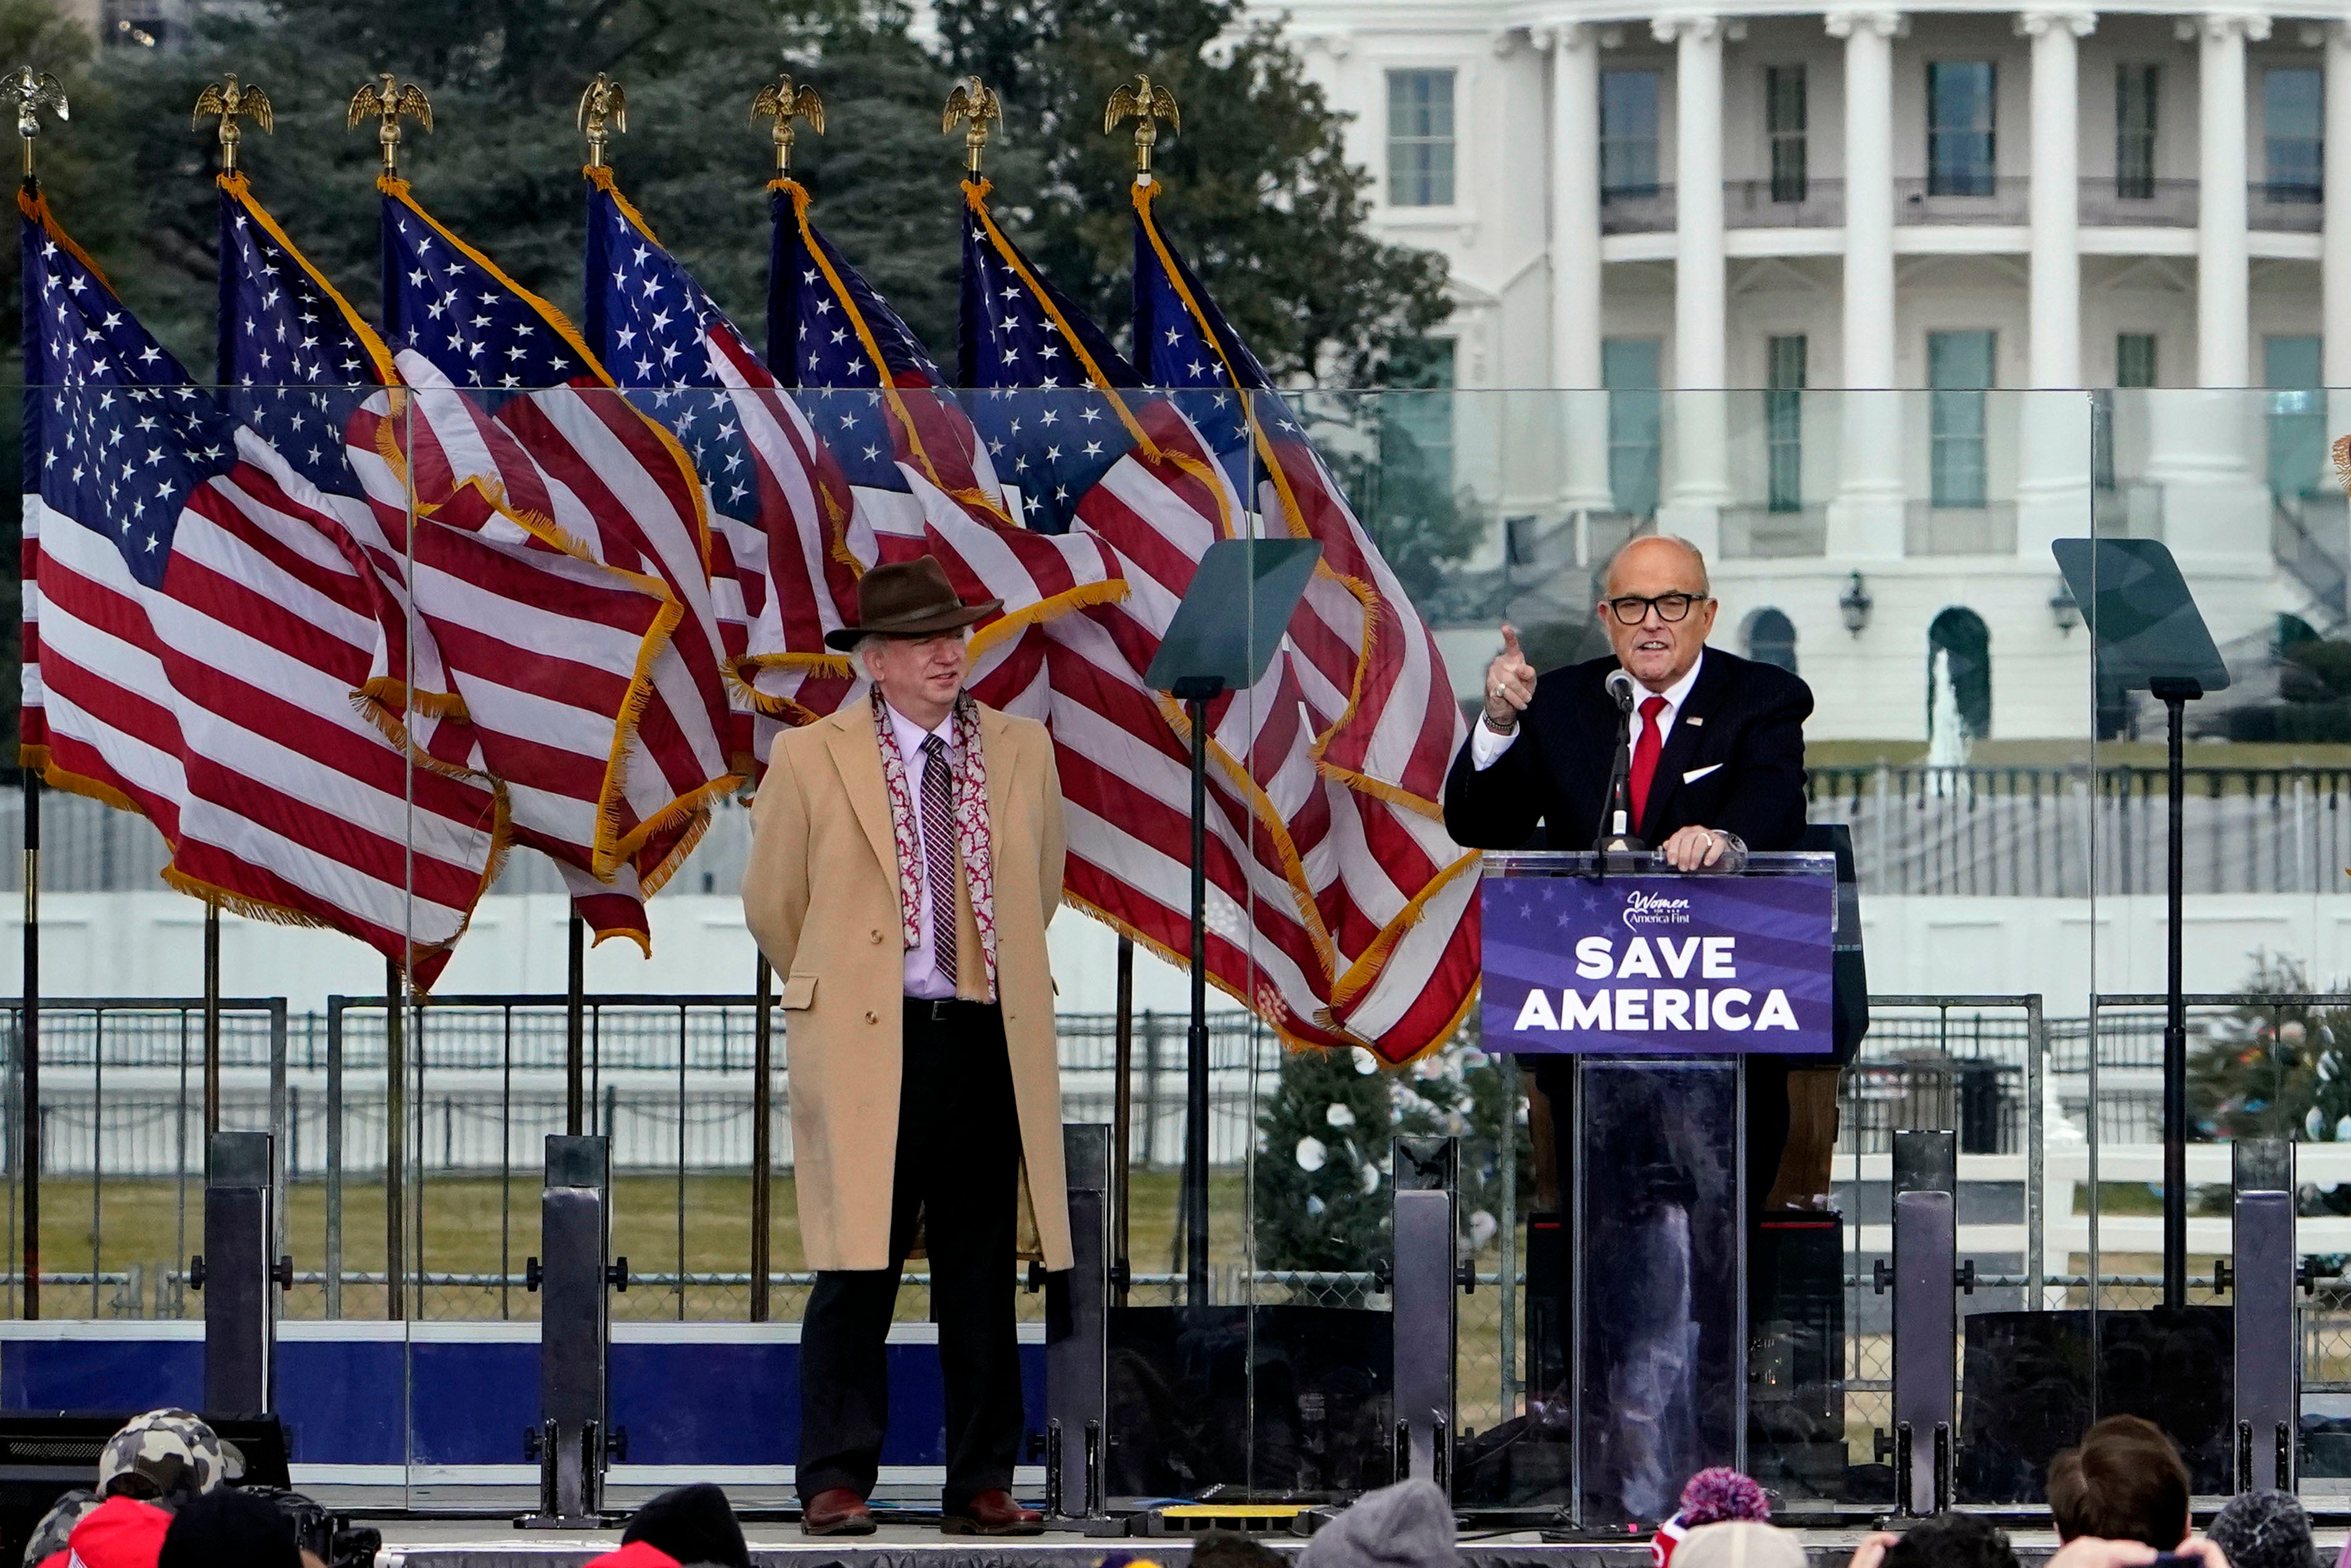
x=1648, y=966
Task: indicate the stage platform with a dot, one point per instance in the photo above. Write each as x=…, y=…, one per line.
x=498, y=1544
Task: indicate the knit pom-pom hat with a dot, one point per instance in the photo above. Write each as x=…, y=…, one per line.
x=1722, y=1493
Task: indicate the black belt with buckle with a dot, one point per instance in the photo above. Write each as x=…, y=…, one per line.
x=939, y=1010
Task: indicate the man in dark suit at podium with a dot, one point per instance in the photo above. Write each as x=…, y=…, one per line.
x=1718, y=769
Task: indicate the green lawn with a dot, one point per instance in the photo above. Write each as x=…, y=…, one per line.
x=468, y=1226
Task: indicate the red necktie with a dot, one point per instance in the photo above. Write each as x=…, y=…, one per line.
x=1645, y=756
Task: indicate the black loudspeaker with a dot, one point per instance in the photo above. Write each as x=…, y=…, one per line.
x=1796, y=1443
x=45, y=1454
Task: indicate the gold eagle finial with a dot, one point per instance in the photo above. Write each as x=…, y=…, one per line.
x=32, y=93
x=384, y=100
x=231, y=100
x=780, y=102
x=603, y=109
x=973, y=101
x=1146, y=105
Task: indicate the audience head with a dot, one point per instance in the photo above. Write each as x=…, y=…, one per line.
x=1231, y=1549
x=1952, y=1541
x=229, y=1528
x=2264, y=1529
x=690, y=1524
x=2126, y=1483
x=1739, y=1543
x=1713, y=1496
x=166, y=1457
x=120, y=1533
x=48, y=1537
x=1407, y=1525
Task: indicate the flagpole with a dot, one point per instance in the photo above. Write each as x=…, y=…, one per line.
x=385, y=100
x=395, y=1138
x=31, y=93
x=29, y=1036
x=575, y=1028
x=212, y=1028
x=228, y=101
x=1121, y=1118
x=763, y=1047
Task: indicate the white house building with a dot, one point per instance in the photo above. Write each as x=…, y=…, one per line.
x=1947, y=197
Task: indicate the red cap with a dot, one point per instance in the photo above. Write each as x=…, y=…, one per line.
x=636, y=1554
x=121, y=1532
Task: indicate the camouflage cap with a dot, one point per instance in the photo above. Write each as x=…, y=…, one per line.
x=49, y=1536
x=166, y=1456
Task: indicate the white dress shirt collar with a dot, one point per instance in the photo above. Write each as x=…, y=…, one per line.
x=1675, y=694
x=911, y=737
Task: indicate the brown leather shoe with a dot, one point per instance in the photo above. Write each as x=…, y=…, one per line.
x=838, y=1512
x=993, y=1513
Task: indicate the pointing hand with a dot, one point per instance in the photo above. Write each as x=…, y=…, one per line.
x=1509, y=682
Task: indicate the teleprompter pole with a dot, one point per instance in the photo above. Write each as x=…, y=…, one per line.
x=1196, y=1055
x=2175, y=693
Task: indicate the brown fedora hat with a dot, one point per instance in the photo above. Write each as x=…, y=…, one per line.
x=908, y=599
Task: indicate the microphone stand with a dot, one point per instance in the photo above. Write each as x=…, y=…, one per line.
x=1615, y=836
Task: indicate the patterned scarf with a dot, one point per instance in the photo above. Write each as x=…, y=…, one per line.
x=972, y=833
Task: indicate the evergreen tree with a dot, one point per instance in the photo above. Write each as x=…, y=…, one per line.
x=1259, y=187
x=1321, y=1197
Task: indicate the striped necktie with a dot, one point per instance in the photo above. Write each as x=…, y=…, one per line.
x=939, y=852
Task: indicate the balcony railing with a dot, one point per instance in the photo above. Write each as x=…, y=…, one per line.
x=2152, y=204
x=1774, y=204
x=1988, y=530
x=1759, y=533
x=2002, y=202
x=2289, y=208
x=1643, y=209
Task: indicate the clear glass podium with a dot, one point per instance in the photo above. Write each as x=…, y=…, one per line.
x=1668, y=1329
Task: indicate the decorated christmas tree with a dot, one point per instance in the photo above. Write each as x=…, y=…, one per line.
x=1321, y=1190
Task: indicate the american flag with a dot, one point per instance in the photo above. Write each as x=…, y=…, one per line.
x=562, y=559
x=782, y=574
x=296, y=354
x=198, y=623
x=1290, y=864
x=921, y=478
x=1404, y=921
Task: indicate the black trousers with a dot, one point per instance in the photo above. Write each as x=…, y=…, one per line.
x=957, y=1174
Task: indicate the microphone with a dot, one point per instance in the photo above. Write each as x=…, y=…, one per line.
x=1615, y=819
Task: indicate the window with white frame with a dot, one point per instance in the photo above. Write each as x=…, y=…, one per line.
x=1420, y=138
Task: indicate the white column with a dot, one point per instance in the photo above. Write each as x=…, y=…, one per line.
x=2053, y=426
x=2335, y=236
x=2055, y=352
x=1701, y=484
x=2223, y=300
x=1577, y=325
x=1866, y=517
x=2216, y=505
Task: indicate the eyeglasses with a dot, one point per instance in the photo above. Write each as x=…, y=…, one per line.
x=1633, y=611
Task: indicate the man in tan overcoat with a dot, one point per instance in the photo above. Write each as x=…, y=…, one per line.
x=905, y=857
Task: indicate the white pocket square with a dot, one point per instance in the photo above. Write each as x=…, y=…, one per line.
x=1695, y=774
